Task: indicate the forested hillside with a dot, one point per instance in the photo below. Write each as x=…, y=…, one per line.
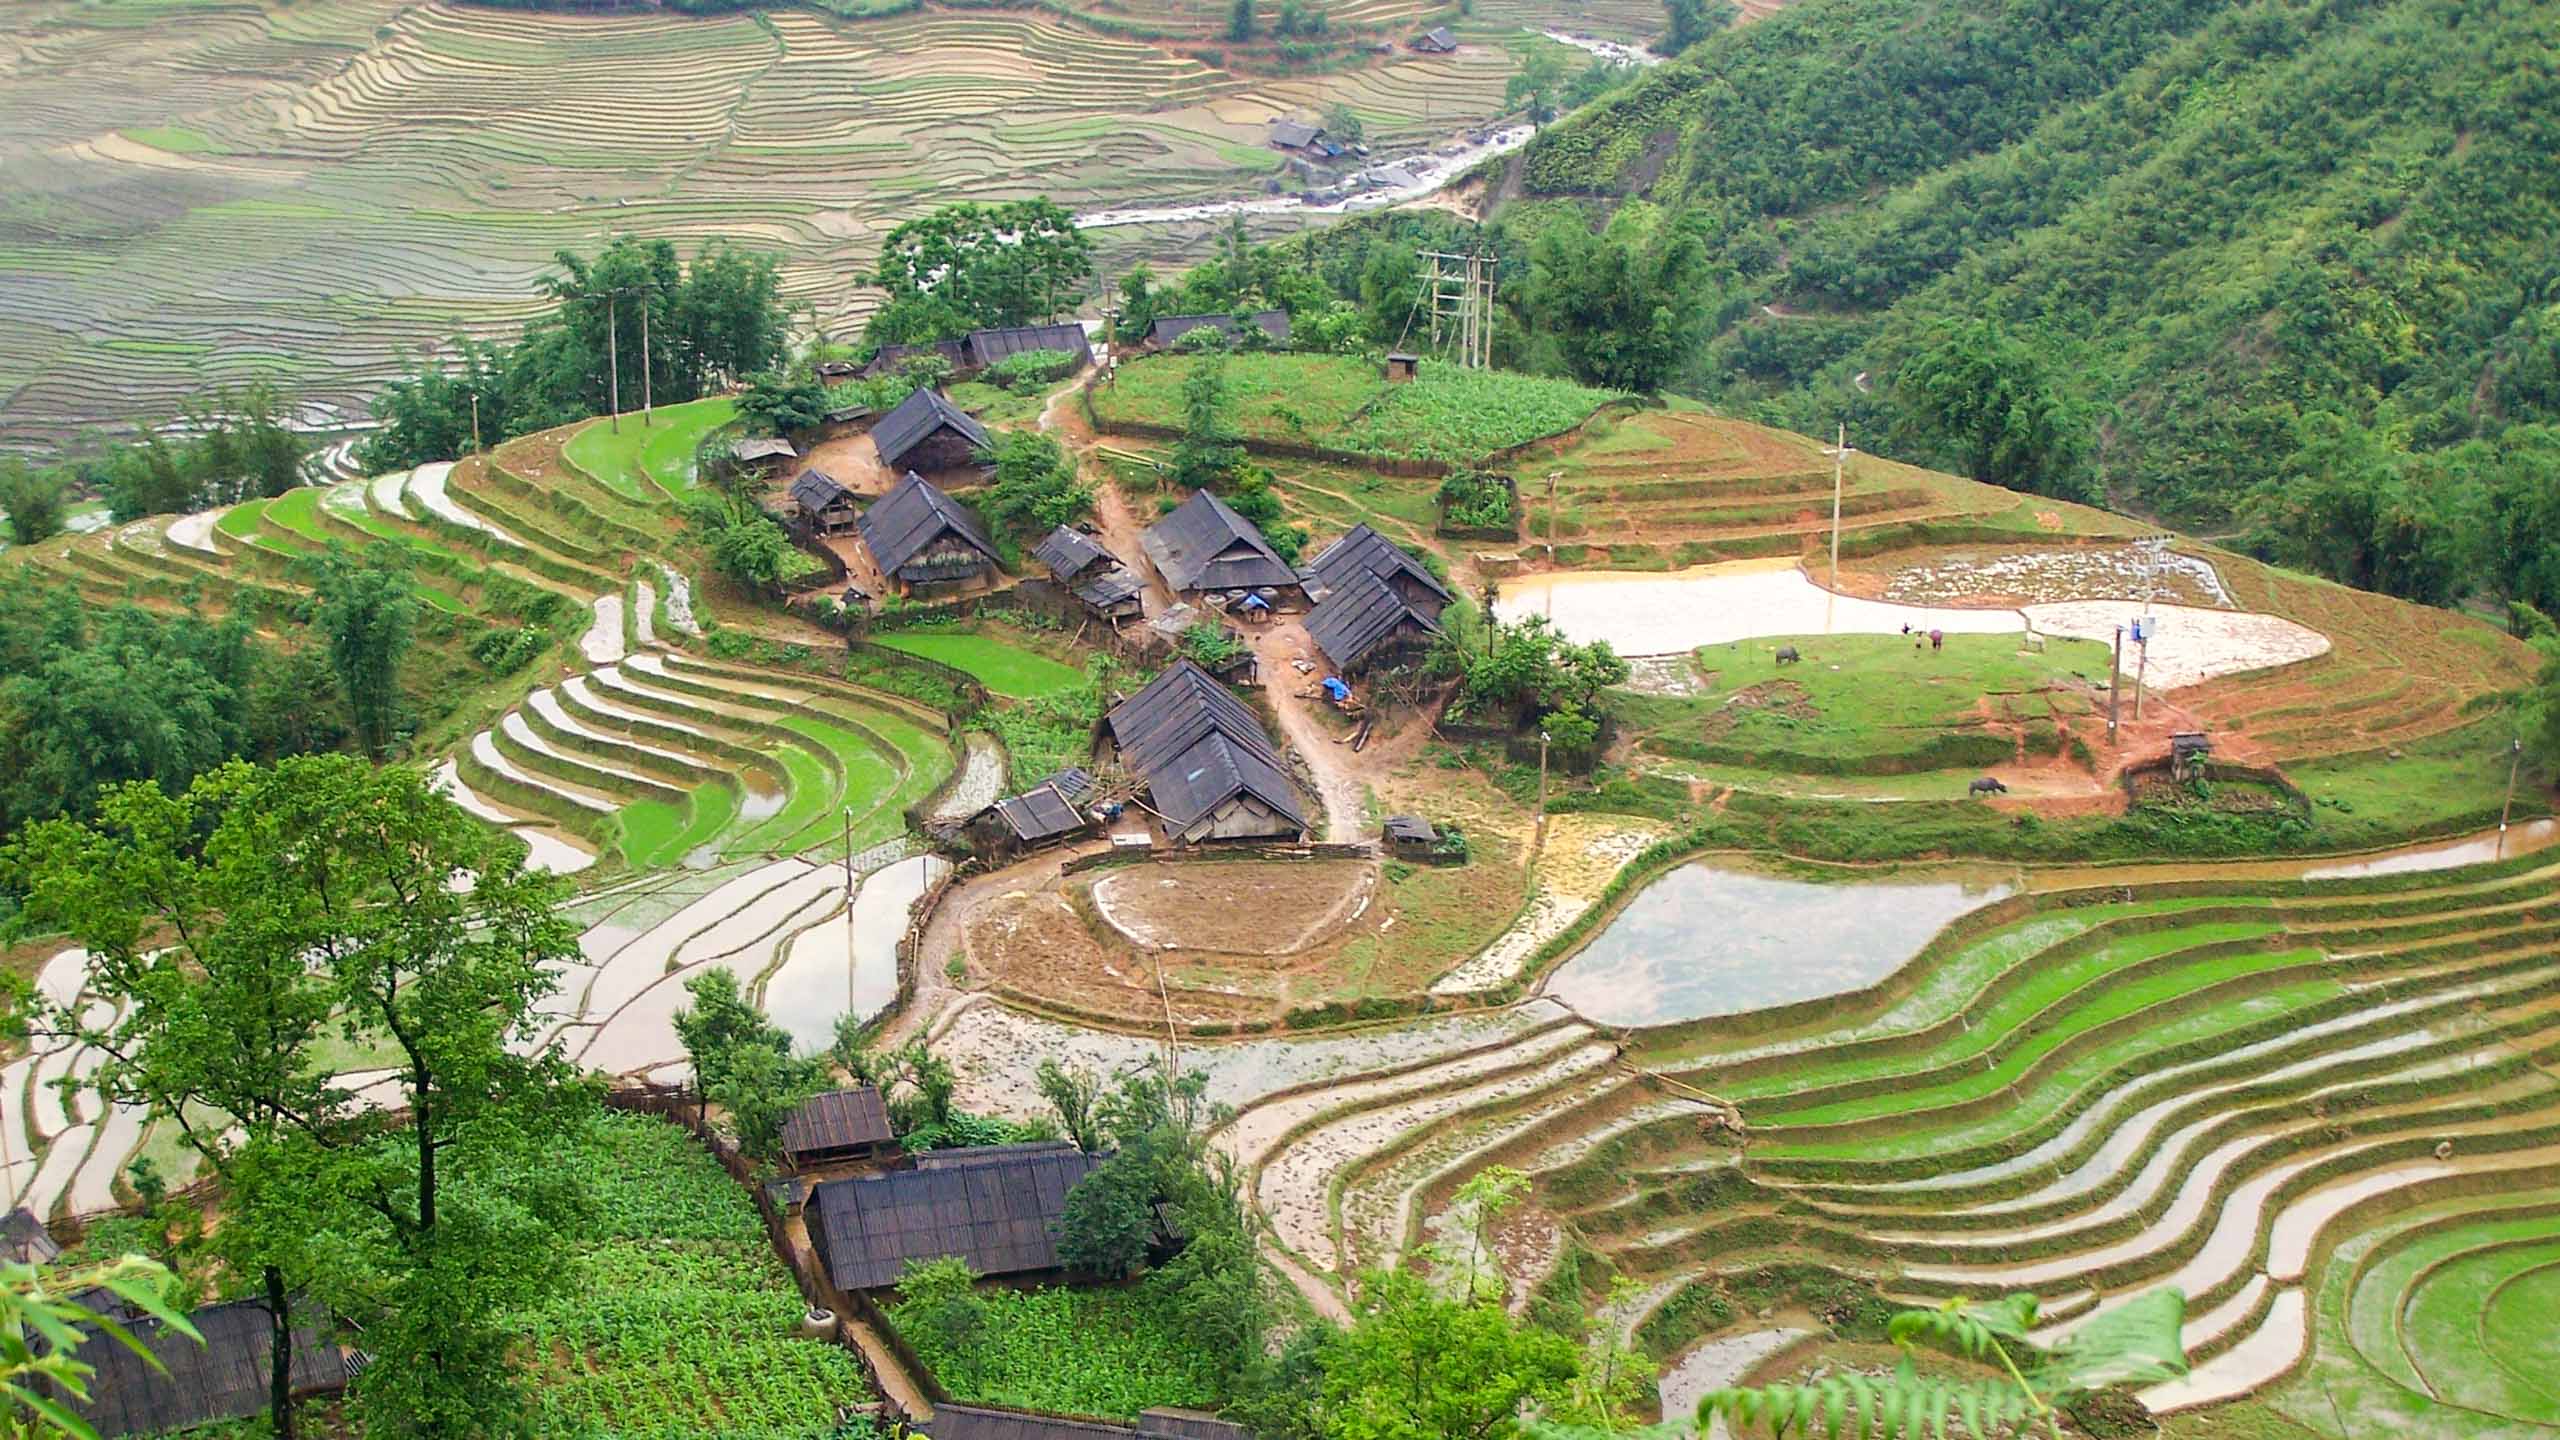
x=2271, y=262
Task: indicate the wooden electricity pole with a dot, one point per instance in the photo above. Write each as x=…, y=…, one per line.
x=2515, y=758
x=2115, y=680
x=613, y=360
x=644, y=359
x=475, y=422
x=1542, y=784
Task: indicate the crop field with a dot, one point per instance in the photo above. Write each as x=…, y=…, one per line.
x=1342, y=402
x=316, y=193
x=2320, y=1107
x=1108, y=1353
x=676, y=1318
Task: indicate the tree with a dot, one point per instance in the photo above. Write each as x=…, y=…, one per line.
x=1621, y=304
x=1109, y=1219
x=368, y=610
x=2350, y=505
x=245, y=443
x=2520, y=500
x=1616, y=1379
x=31, y=500
x=1528, y=663
x=1035, y=488
x=764, y=1083
x=1208, y=451
x=1982, y=401
x=51, y=1303
x=428, y=939
x=1075, y=1093
x=1240, y=21
x=719, y=1022
x=995, y=265
x=1415, y=1366
x=851, y=1050
x=1693, y=21
x=938, y=1306
x=150, y=475
x=1140, y=303
x=202, y=947
x=746, y=544
x=1343, y=123
x=2136, y=1343
x=1538, y=84
x=779, y=402
x=1484, y=1199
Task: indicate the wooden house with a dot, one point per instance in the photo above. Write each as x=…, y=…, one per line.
x=996, y=1207
x=1402, y=367
x=1093, y=575
x=1363, y=549
x=1053, y=812
x=927, y=543
x=926, y=432
x=838, y=1126
x=1364, y=624
x=825, y=505
x=1210, y=770
x=184, y=1384
x=986, y=347
x=1204, y=546
x=1438, y=40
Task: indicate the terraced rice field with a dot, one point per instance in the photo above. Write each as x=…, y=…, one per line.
x=2324, y=1109
x=314, y=193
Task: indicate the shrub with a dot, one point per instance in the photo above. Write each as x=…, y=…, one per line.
x=505, y=652
x=1477, y=500
x=1025, y=373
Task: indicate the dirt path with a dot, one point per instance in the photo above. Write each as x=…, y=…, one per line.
x=1118, y=519
x=1337, y=779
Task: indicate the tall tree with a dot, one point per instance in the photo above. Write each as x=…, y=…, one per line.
x=1693, y=21
x=245, y=443
x=1621, y=305
x=1005, y=264
x=197, y=934
x=1538, y=85
x=1209, y=450
x=1240, y=21
x=31, y=500
x=1983, y=400
x=1415, y=1366
x=368, y=608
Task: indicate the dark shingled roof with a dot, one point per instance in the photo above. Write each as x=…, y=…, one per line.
x=999, y=1215
x=816, y=490
x=1439, y=37
x=987, y=1422
x=769, y=447
x=1114, y=586
x=890, y=357
x=986, y=347
x=962, y=1156
x=1204, y=545
x=1409, y=827
x=837, y=1120
x=1362, y=548
x=1360, y=616
x=1067, y=551
x=1293, y=133
x=913, y=517
x=918, y=416
x=1048, y=809
x=1169, y=328
x=225, y=1378
x=1167, y=1423
x=1197, y=746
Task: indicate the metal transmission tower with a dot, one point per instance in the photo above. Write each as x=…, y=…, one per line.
x=1461, y=295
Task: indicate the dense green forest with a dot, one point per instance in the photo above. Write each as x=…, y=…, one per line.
x=2204, y=240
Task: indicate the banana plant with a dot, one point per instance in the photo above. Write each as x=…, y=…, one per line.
x=2136, y=1343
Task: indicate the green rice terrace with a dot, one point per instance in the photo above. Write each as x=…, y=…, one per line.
x=1342, y=403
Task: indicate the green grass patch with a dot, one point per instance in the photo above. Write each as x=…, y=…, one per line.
x=1005, y=670
x=660, y=832
x=631, y=459
x=1108, y=1353
x=870, y=780
x=176, y=139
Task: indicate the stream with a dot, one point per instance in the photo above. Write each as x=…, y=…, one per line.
x=1390, y=182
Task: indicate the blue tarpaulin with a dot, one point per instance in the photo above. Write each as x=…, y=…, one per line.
x=1255, y=602
x=1336, y=690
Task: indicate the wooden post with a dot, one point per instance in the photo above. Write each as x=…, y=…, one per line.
x=475, y=422
x=2115, y=680
x=2515, y=758
x=644, y=359
x=2141, y=668
x=613, y=361
x=1542, y=784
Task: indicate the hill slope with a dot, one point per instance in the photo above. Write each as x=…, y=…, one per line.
x=2208, y=218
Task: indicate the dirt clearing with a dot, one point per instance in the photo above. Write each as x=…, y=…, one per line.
x=1234, y=909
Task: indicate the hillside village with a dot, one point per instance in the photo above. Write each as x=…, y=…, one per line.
x=1291, y=836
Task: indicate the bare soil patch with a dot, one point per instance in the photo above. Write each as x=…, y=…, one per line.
x=1235, y=909
x=2013, y=575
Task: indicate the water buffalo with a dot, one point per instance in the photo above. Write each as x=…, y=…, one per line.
x=1987, y=785
x=1787, y=655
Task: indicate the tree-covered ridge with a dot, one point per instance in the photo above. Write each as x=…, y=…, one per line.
x=2211, y=223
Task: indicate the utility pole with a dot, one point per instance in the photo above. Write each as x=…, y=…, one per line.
x=1839, y=474
x=2141, y=664
x=475, y=423
x=1551, y=526
x=2115, y=679
x=1542, y=785
x=2515, y=759
x=645, y=367
x=613, y=359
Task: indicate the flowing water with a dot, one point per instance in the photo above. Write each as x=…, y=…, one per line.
x=1719, y=937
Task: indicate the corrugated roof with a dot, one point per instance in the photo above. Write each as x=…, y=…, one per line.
x=1198, y=746
x=768, y=447
x=1169, y=328
x=988, y=1422
x=225, y=1378
x=1293, y=133
x=1067, y=551
x=1048, y=809
x=986, y=347
x=899, y=432
x=1359, y=616
x=816, y=490
x=1167, y=1423
x=1114, y=586
x=1205, y=545
x=837, y=1120
x=914, y=516
x=1362, y=548
x=1409, y=827
x=1000, y=1216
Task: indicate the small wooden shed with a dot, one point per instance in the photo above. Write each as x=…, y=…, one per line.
x=838, y=1126
x=825, y=505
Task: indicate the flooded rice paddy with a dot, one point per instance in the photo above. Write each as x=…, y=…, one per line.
x=1718, y=937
